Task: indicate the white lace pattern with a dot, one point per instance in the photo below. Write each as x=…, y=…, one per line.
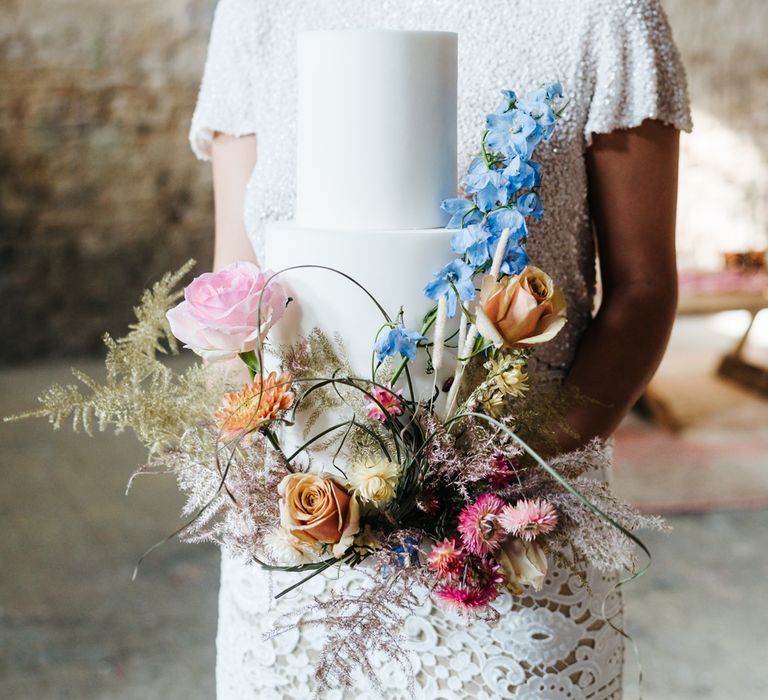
x=552, y=644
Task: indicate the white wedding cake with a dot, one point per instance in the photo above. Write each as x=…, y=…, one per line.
x=376, y=157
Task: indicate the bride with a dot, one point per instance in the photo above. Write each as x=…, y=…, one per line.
x=611, y=186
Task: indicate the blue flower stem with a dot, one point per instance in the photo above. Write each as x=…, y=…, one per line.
x=374, y=366
x=486, y=155
x=429, y=321
x=464, y=218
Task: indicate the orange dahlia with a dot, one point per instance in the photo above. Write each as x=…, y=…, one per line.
x=248, y=409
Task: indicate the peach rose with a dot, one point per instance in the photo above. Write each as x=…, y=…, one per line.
x=522, y=564
x=521, y=310
x=318, y=509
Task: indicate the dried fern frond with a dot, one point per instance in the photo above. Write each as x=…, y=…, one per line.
x=151, y=334
x=362, y=627
x=139, y=391
x=591, y=537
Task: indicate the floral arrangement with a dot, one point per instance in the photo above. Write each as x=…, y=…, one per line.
x=440, y=497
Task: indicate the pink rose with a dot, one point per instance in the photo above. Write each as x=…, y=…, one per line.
x=219, y=317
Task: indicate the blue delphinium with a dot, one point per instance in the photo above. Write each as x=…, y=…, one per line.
x=529, y=204
x=510, y=97
x=463, y=212
x=455, y=275
x=406, y=554
x=521, y=174
x=488, y=185
x=474, y=242
x=502, y=191
x=399, y=340
x=507, y=217
x=510, y=133
x=515, y=259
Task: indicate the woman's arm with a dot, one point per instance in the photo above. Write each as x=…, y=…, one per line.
x=633, y=195
x=233, y=162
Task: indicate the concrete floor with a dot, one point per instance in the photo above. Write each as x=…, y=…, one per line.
x=73, y=625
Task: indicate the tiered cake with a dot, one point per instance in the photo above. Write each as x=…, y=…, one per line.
x=376, y=157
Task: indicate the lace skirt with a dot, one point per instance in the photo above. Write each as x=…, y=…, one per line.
x=550, y=645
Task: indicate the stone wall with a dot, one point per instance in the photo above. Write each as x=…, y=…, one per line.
x=724, y=163
x=99, y=192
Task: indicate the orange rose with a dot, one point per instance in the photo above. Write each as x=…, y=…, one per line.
x=318, y=509
x=521, y=310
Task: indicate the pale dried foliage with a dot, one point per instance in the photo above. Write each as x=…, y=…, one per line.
x=231, y=488
x=314, y=361
x=139, y=391
x=459, y=458
x=362, y=627
x=590, y=536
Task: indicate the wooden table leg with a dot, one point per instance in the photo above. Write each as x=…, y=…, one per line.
x=735, y=368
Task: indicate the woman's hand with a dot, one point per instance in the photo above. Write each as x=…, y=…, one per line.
x=633, y=196
x=233, y=162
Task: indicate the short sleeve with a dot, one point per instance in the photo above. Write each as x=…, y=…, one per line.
x=227, y=98
x=638, y=73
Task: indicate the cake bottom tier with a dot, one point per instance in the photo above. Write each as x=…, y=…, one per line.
x=392, y=265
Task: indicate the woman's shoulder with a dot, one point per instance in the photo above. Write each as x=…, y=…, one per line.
x=238, y=10
x=623, y=15
x=635, y=68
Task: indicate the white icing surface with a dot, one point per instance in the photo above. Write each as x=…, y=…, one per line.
x=393, y=265
x=376, y=128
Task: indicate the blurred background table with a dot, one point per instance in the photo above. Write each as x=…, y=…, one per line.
x=729, y=290
x=705, y=294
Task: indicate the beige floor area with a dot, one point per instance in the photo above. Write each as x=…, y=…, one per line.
x=73, y=625
x=719, y=456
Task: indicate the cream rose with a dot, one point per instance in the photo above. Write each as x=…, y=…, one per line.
x=317, y=508
x=283, y=549
x=375, y=481
x=521, y=310
x=522, y=564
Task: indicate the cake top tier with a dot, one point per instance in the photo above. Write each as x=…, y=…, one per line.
x=376, y=128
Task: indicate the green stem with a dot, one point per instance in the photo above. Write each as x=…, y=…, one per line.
x=326, y=565
x=486, y=155
x=272, y=439
x=251, y=361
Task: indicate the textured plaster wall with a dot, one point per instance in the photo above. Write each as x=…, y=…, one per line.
x=99, y=192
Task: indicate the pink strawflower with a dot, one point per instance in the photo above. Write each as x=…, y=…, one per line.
x=391, y=402
x=529, y=518
x=446, y=558
x=463, y=600
x=504, y=471
x=481, y=587
x=481, y=532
